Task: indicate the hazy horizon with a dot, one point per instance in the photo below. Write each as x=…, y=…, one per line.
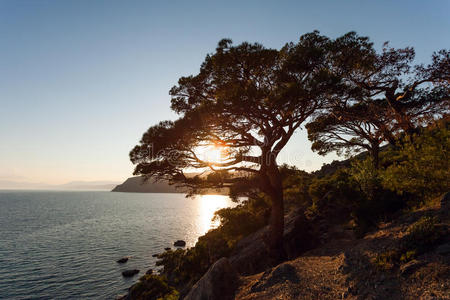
x=80, y=81
x=70, y=186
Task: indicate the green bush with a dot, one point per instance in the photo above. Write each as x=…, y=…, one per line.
x=338, y=190
x=183, y=267
x=420, y=166
x=295, y=187
x=387, y=260
x=381, y=206
x=354, y=193
x=408, y=255
x=363, y=172
x=239, y=222
x=421, y=235
x=153, y=287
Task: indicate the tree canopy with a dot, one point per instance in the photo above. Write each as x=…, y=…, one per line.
x=352, y=128
x=382, y=95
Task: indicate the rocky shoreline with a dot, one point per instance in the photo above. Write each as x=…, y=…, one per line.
x=331, y=264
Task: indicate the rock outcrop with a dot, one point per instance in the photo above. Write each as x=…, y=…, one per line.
x=251, y=254
x=218, y=283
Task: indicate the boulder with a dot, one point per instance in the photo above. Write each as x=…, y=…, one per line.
x=167, y=249
x=179, y=243
x=218, y=283
x=130, y=273
x=149, y=272
x=122, y=260
x=298, y=235
x=251, y=254
x=155, y=255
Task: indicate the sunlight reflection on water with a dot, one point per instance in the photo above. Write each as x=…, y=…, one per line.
x=207, y=205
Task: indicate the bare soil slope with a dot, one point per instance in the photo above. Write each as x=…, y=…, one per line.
x=347, y=268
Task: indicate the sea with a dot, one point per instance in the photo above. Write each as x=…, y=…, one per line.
x=65, y=244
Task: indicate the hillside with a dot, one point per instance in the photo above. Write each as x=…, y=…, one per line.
x=344, y=267
x=139, y=185
x=348, y=268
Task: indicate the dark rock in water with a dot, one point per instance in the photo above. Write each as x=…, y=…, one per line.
x=179, y=243
x=219, y=282
x=155, y=255
x=149, y=272
x=122, y=260
x=167, y=249
x=129, y=273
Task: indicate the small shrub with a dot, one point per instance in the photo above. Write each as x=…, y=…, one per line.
x=386, y=261
x=366, y=175
x=369, y=211
x=295, y=187
x=408, y=255
x=420, y=166
x=337, y=191
x=422, y=235
x=242, y=220
x=153, y=287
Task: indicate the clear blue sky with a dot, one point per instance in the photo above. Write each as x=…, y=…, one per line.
x=80, y=81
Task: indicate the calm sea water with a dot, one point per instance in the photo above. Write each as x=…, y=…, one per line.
x=64, y=245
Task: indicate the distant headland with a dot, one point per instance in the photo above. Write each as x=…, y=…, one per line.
x=138, y=184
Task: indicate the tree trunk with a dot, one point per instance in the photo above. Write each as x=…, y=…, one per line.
x=276, y=224
x=375, y=155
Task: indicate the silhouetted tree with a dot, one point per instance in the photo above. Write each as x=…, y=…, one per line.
x=415, y=94
x=250, y=100
x=380, y=95
x=361, y=126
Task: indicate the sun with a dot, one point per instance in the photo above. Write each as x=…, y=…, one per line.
x=212, y=153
